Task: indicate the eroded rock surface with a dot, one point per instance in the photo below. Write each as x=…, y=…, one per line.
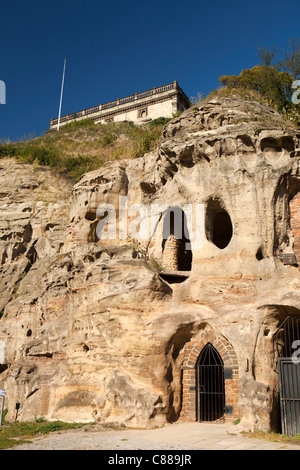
x=93, y=330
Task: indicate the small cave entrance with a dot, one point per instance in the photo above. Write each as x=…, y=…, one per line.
x=176, y=246
x=92, y=234
x=218, y=225
x=32, y=254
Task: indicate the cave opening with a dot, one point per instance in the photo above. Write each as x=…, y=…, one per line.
x=218, y=224
x=176, y=245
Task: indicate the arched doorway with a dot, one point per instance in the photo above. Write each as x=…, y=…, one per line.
x=223, y=354
x=210, y=389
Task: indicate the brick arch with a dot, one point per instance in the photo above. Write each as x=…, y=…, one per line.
x=192, y=351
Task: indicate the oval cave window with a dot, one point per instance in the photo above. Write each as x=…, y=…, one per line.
x=218, y=224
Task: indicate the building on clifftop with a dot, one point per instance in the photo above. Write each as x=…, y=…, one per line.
x=139, y=108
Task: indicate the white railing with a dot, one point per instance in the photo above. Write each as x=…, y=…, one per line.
x=112, y=104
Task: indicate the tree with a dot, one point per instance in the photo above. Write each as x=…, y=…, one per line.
x=273, y=78
x=290, y=61
x=272, y=84
x=267, y=55
x=287, y=60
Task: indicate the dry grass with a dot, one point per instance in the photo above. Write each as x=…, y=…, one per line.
x=244, y=93
x=269, y=113
x=273, y=436
x=85, y=146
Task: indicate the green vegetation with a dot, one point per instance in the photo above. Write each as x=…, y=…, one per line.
x=269, y=82
x=274, y=86
x=273, y=436
x=287, y=59
x=82, y=146
x=12, y=434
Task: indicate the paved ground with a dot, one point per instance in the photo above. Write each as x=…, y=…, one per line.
x=178, y=436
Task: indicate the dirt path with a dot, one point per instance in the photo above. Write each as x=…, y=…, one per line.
x=178, y=436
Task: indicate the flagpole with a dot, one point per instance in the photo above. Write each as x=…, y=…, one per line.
x=61, y=93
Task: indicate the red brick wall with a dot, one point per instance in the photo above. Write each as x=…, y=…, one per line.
x=295, y=224
x=191, y=353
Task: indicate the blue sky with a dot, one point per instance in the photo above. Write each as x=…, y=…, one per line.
x=116, y=48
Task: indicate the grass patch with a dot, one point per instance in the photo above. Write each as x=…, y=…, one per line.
x=83, y=146
x=12, y=434
x=273, y=436
x=244, y=93
x=288, y=116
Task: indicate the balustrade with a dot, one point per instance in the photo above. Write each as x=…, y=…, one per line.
x=112, y=104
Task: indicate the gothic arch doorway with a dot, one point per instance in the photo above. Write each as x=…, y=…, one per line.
x=210, y=389
x=201, y=356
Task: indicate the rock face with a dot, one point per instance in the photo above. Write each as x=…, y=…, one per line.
x=91, y=327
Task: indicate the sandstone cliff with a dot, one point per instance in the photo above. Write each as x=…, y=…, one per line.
x=96, y=330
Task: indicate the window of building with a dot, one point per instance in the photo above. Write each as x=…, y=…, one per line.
x=142, y=113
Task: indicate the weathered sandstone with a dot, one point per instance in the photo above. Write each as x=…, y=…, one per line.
x=94, y=331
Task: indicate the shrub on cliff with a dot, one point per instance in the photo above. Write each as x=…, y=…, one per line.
x=273, y=85
x=272, y=79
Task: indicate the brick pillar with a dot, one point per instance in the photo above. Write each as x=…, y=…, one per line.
x=171, y=254
x=295, y=224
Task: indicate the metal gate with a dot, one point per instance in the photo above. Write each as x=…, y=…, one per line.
x=286, y=344
x=210, y=390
